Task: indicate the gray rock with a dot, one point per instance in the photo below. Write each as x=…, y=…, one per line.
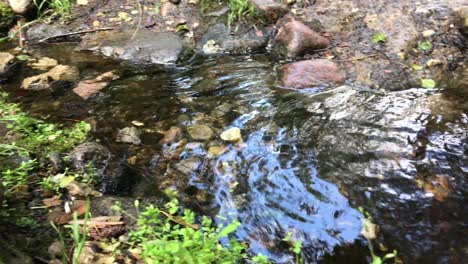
x=43, y=31
x=129, y=135
x=200, y=132
x=90, y=153
x=146, y=47
x=219, y=40
x=270, y=9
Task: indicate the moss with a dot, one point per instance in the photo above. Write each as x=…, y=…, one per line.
x=7, y=17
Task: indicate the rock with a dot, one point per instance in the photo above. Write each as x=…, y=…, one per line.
x=171, y=135
x=295, y=39
x=42, y=31
x=219, y=40
x=43, y=64
x=146, y=47
x=60, y=217
x=21, y=6
x=200, y=132
x=86, y=89
x=270, y=9
x=216, y=150
x=309, y=73
x=457, y=83
x=58, y=73
x=56, y=250
x=81, y=189
x=231, y=135
x=369, y=230
x=175, y=2
x=463, y=18
x=64, y=72
x=8, y=65
x=90, y=153
x=129, y=135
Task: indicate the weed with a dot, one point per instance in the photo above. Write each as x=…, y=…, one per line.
x=17, y=176
x=58, y=7
x=425, y=45
x=379, y=37
x=239, y=10
x=296, y=247
x=172, y=236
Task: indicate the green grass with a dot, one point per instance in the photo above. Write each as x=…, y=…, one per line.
x=239, y=10
x=59, y=7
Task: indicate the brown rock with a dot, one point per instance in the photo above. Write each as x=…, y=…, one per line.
x=86, y=89
x=64, y=72
x=60, y=217
x=270, y=8
x=309, y=73
x=295, y=39
x=171, y=135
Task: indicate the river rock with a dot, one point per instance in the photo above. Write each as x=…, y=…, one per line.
x=129, y=135
x=43, y=64
x=269, y=8
x=58, y=73
x=309, y=73
x=200, y=132
x=171, y=135
x=295, y=39
x=90, y=153
x=232, y=135
x=146, y=46
x=87, y=88
x=219, y=40
x=8, y=65
x=39, y=32
x=21, y=6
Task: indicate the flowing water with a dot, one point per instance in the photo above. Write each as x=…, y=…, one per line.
x=308, y=159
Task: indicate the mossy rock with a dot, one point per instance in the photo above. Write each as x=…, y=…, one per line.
x=7, y=17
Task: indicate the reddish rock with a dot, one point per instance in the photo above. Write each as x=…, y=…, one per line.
x=270, y=8
x=309, y=73
x=86, y=89
x=171, y=135
x=295, y=39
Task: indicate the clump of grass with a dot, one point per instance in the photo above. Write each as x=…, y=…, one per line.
x=239, y=10
x=58, y=7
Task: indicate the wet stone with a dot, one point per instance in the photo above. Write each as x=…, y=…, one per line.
x=200, y=132
x=231, y=135
x=129, y=135
x=310, y=73
x=8, y=65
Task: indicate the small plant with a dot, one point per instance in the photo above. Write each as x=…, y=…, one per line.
x=379, y=37
x=170, y=235
x=425, y=45
x=7, y=17
x=17, y=176
x=59, y=7
x=239, y=10
x=296, y=247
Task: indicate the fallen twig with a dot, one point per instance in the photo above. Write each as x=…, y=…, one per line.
x=76, y=33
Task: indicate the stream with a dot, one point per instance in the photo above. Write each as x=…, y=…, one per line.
x=309, y=159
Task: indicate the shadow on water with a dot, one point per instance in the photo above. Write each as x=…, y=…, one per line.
x=307, y=160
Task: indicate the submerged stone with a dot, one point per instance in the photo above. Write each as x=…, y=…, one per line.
x=129, y=135
x=200, y=132
x=143, y=48
x=232, y=135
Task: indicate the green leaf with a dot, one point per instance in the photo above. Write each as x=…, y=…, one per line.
x=379, y=37
x=377, y=260
x=23, y=57
x=65, y=181
x=416, y=67
x=428, y=83
x=425, y=45
x=228, y=229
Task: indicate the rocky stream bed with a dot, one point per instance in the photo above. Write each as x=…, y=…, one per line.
x=297, y=125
